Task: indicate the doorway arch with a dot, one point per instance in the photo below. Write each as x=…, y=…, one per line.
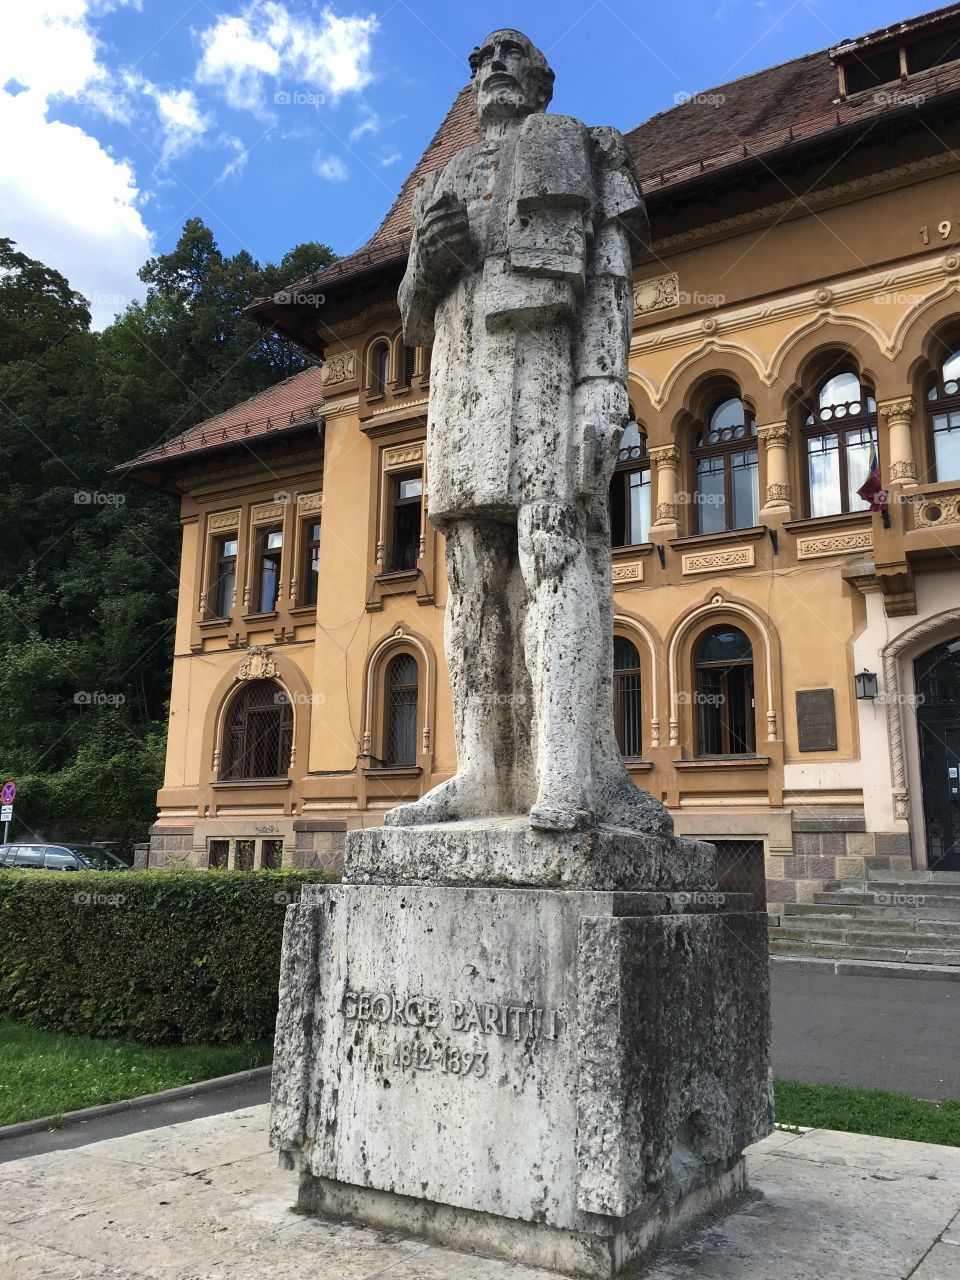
x=936, y=675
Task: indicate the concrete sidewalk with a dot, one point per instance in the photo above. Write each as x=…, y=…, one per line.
x=204, y=1200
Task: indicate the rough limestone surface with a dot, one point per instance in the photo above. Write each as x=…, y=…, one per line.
x=527, y=1023
x=520, y=279
x=508, y=851
x=580, y=1062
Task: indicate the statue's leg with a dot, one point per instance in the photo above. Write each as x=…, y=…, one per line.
x=478, y=641
x=618, y=801
x=562, y=646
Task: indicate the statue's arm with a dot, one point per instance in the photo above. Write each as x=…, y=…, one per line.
x=439, y=250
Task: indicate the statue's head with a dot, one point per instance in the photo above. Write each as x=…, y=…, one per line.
x=511, y=77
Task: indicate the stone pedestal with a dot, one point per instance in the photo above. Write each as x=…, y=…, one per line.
x=558, y=1075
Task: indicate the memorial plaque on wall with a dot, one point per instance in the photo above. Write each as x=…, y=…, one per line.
x=816, y=720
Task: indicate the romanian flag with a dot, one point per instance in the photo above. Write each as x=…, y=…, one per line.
x=872, y=490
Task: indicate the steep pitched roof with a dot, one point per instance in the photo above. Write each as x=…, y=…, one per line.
x=290, y=405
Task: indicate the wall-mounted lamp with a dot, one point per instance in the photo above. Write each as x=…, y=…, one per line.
x=866, y=683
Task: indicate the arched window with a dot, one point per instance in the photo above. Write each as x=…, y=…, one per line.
x=401, y=693
x=727, y=493
x=379, y=369
x=723, y=698
x=943, y=418
x=258, y=734
x=626, y=697
x=838, y=433
x=630, y=490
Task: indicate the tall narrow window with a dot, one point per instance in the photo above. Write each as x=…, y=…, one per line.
x=626, y=697
x=943, y=418
x=401, y=695
x=271, y=552
x=405, y=521
x=838, y=433
x=258, y=734
x=407, y=366
x=723, y=698
x=727, y=494
x=379, y=369
x=630, y=491
x=225, y=570
x=311, y=562
x=218, y=854
x=271, y=855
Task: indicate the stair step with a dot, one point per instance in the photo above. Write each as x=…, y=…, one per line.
x=940, y=887
x=864, y=951
x=856, y=935
x=946, y=878
x=912, y=901
x=868, y=968
x=902, y=922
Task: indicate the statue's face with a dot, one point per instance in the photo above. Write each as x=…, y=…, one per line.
x=504, y=86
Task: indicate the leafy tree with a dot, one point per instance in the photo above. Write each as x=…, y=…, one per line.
x=88, y=564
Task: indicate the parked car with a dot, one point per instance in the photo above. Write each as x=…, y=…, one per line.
x=60, y=857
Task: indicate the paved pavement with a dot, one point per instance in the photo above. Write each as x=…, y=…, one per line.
x=897, y=1034
x=204, y=1200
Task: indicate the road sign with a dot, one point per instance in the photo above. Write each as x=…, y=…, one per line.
x=6, y=813
x=8, y=793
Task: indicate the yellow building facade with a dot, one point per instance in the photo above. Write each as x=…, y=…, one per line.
x=785, y=678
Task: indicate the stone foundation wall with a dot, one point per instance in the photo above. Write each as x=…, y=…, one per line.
x=170, y=846
x=319, y=846
x=831, y=847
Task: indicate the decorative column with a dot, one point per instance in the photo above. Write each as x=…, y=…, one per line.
x=777, y=495
x=666, y=459
x=897, y=416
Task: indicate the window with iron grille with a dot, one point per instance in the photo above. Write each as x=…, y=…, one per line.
x=244, y=855
x=740, y=869
x=218, y=854
x=400, y=699
x=626, y=697
x=259, y=732
x=271, y=855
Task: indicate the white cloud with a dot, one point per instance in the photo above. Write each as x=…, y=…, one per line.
x=330, y=167
x=183, y=124
x=371, y=124
x=266, y=40
x=66, y=199
x=389, y=159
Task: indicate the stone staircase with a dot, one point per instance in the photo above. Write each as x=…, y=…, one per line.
x=904, y=924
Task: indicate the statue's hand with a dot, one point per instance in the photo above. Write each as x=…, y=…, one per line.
x=602, y=410
x=444, y=236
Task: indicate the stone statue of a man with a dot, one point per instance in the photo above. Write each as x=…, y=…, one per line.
x=519, y=278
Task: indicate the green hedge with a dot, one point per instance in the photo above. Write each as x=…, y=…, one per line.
x=181, y=957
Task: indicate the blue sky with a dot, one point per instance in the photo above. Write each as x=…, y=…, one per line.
x=279, y=121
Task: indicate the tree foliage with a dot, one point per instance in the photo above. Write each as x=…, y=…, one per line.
x=88, y=558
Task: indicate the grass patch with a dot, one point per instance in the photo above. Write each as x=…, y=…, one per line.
x=884, y=1115
x=44, y=1073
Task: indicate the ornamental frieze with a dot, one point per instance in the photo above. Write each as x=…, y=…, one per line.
x=834, y=544
x=711, y=561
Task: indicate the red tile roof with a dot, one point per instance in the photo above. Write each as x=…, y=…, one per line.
x=294, y=403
